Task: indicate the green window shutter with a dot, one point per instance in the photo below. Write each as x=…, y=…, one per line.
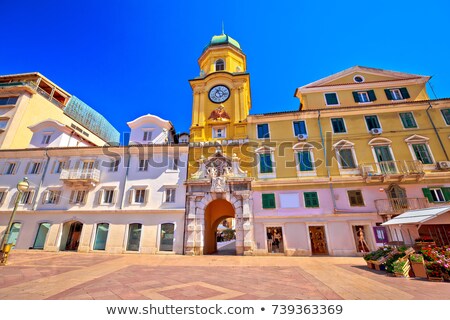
x=446, y=192
x=427, y=194
x=268, y=201
x=355, y=96
x=372, y=96
x=405, y=93
x=311, y=199
x=388, y=94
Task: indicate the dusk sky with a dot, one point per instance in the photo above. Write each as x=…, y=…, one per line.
x=129, y=58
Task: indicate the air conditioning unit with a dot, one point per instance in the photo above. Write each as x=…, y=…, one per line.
x=376, y=131
x=444, y=165
x=302, y=137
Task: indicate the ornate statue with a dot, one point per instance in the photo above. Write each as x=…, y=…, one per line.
x=218, y=184
x=219, y=114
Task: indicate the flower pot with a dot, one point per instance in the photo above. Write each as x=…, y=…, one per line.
x=419, y=269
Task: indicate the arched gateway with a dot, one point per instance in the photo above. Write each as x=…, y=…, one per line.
x=218, y=190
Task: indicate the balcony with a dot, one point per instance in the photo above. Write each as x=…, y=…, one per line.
x=396, y=206
x=392, y=170
x=34, y=86
x=80, y=177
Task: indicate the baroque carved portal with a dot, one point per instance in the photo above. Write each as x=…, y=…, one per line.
x=219, y=188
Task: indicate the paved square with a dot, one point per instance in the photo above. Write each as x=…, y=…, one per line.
x=97, y=276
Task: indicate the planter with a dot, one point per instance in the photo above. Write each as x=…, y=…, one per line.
x=446, y=277
x=435, y=279
x=370, y=265
x=419, y=269
x=380, y=267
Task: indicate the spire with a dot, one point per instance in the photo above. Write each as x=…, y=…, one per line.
x=223, y=28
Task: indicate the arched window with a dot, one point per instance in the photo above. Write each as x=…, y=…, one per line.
x=345, y=154
x=220, y=65
x=100, y=236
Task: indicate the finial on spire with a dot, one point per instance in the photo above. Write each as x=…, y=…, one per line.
x=223, y=28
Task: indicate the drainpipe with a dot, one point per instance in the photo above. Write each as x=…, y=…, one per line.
x=436, y=132
x=326, y=164
x=40, y=182
x=125, y=179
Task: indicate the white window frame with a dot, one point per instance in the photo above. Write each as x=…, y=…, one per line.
x=268, y=175
x=51, y=194
x=145, y=134
x=414, y=117
x=337, y=98
x=268, y=130
x=215, y=132
x=344, y=144
x=345, y=125
x=8, y=165
x=371, y=115
x=362, y=195
x=46, y=138
x=215, y=64
x=397, y=93
x=304, y=146
x=143, y=161
x=364, y=94
x=170, y=193
x=102, y=194
x=142, y=192
x=293, y=127
x=4, y=193
x=416, y=139
x=28, y=198
x=435, y=191
x=35, y=167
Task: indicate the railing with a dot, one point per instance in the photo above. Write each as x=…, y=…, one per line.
x=80, y=175
x=391, y=167
x=400, y=205
x=34, y=86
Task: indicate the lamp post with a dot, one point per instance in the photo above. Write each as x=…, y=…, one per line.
x=22, y=187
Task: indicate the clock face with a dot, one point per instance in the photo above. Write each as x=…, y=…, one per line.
x=219, y=94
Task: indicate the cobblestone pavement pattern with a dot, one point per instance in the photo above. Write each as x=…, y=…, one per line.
x=77, y=276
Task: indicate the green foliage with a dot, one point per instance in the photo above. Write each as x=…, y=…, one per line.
x=391, y=260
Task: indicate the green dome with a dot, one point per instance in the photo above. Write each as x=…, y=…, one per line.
x=223, y=39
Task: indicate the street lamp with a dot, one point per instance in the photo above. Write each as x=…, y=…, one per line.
x=5, y=248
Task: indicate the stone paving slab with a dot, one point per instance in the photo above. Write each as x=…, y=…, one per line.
x=98, y=276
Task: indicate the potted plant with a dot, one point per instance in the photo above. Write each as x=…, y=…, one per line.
x=418, y=266
x=434, y=271
x=401, y=267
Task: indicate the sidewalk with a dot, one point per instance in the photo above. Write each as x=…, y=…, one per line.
x=70, y=275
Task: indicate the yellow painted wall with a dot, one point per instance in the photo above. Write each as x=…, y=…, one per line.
x=232, y=58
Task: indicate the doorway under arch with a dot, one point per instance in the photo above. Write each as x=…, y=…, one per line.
x=71, y=235
x=216, y=211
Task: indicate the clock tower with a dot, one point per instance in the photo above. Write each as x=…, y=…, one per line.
x=221, y=93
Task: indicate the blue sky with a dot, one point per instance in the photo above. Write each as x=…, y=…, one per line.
x=129, y=58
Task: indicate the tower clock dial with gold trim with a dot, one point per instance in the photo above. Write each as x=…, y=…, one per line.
x=219, y=94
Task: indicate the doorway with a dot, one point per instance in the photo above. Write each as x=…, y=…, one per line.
x=360, y=235
x=226, y=237
x=275, y=240
x=216, y=211
x=73, y=234
x=318, y=240
x=41, y=235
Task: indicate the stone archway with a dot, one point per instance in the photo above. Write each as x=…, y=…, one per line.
x=215, y=212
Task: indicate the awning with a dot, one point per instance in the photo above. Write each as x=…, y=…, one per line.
x=417, y=216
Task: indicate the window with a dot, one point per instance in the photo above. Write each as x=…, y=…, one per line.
x=46, y=139
x=143, y=164
x=372, y=122
x=422, y=153
x=10, y=168
x=58, y=166
x=219, y=132
x=408, y=120
x=114, y=165
x=364, y=96
x=445, y=114
x=265, y=163
x=338, y=125
x=299, y=127
x=108, y=196
x=358, y=79
x=101, y=235
x=78, y=197
x=220, y=65
x=268, y=201
x=331, y=99
x=147, y=136
x=134, y=237
x=8, y=100
x=397, y=94
x=27, y=197
x=175, y=162
x=14, y=233
x=346, y=159
x=2, y=196
x=51, y=197
x=263, y=131
x=34, y=168
x=3, y=124
x=304, y=160
x=437, y=194
x=311, y=199
x=355, y=197
x=139, y=196
x=41, y=235
x=170, y=195
x=167, y=236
